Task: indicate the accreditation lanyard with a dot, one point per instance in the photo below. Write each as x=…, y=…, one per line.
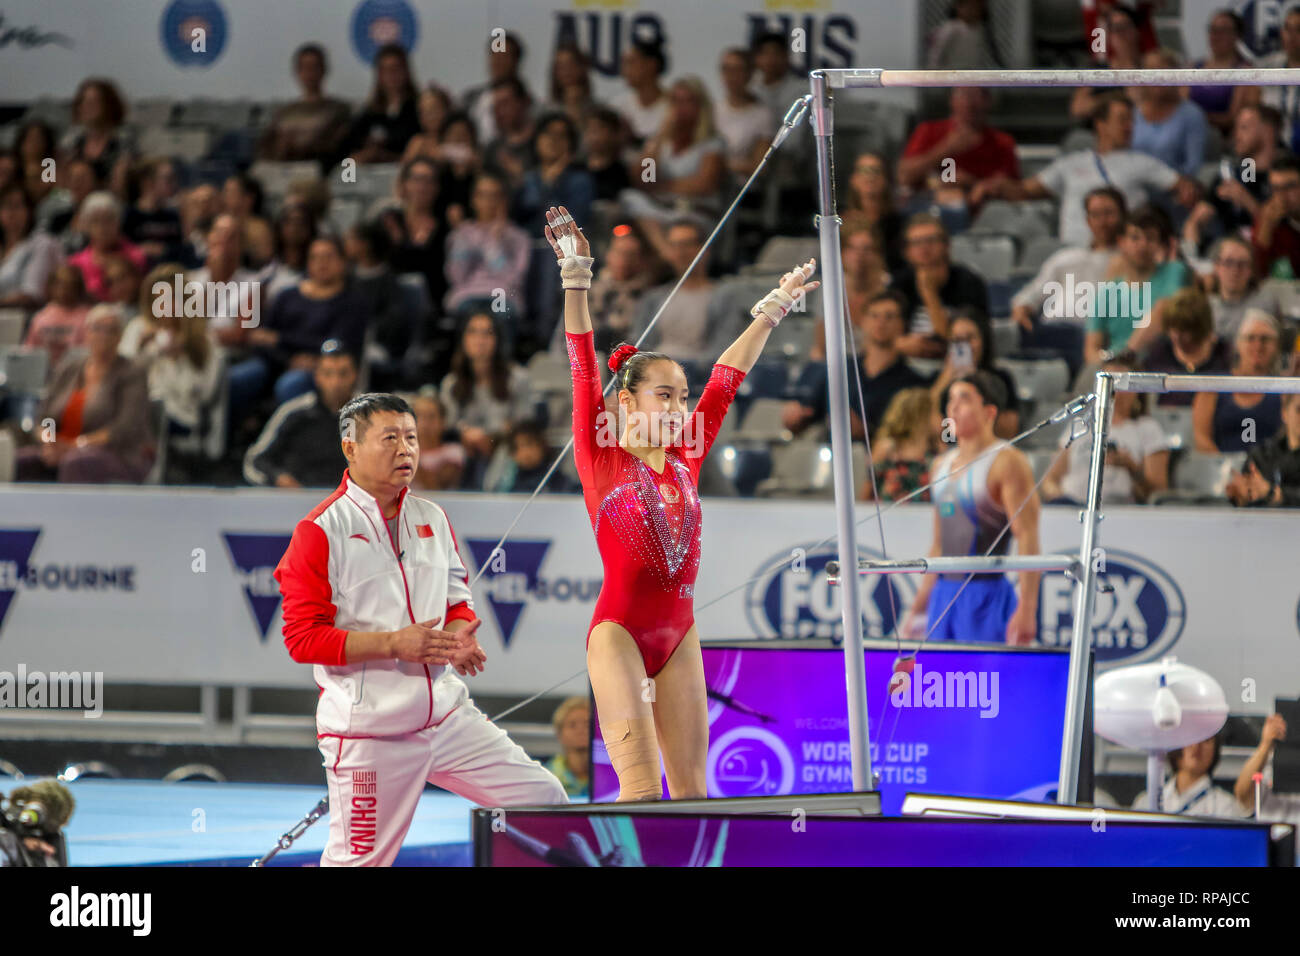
x=1197, y=796
x=1096, y=158
x=1290, y=94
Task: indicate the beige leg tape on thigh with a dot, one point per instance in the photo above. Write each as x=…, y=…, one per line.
x=634, y=754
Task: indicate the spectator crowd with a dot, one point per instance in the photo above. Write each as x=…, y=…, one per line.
x=396, y=244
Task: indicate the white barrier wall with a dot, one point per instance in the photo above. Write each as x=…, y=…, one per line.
x=177, y=587
x=147, y=45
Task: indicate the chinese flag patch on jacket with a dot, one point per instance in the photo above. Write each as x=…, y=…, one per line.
x=424, y=531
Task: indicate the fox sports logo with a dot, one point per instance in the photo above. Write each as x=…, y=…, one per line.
x=1138, y=617
x=792, y=597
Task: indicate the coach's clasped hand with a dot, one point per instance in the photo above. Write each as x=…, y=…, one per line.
x=426, y=644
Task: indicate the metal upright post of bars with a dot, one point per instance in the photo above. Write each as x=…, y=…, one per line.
x=1067, y=789
x=821, y=81
x=855, y=666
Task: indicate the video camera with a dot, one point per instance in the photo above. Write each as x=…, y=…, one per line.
x=31, y=825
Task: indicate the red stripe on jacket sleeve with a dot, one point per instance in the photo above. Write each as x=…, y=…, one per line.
x=460, y=612
x=309, y=612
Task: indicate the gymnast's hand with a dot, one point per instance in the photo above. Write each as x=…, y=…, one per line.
x=795, y=284
x=778, y=303
x=559, y=229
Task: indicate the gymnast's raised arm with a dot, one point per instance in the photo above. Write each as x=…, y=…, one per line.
x=573, y=253
x=767, y=314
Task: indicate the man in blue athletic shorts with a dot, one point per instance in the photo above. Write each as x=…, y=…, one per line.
x=972, y=506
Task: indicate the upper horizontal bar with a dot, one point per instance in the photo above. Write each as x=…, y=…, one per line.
x=1156, y=382
x=1248, y=76
x=960, y=565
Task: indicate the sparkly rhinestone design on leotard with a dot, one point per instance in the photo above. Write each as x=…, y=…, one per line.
x=636, y=512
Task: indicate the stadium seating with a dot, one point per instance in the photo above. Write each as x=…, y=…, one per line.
x=1200, y=478
x=762, y=422
x=781, y=252
x=991, y=255
x=7, y=456
x=1035, y=252
x=11, y=326
x=188, y=144
x=744, y=467
x=799, y=468
x=1176, y=423
x=549, y=373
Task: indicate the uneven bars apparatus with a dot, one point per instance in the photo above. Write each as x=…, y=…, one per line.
x=827, y=224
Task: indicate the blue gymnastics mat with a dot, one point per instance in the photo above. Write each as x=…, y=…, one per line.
x=149, y=823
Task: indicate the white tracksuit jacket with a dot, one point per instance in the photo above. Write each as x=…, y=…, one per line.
x=340, y=574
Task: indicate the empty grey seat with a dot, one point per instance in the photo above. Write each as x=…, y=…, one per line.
x=276, y=177
x=549, y=373
x=1037, y=251
x=992, y=256
x=1206, y=475
x=187, y=144
x=799, y=468
x=8, y=456
x=1006, y=336
x=781, y=253
x=11, y=326
x=762, y=422
x=1177, y=424
x=24, y=370
x=1042, y=380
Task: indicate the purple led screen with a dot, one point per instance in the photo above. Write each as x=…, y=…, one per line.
x=970, y=723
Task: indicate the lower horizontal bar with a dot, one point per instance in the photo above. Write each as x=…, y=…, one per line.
x=1157, y=382
x=1252, y=76
x=959, y=565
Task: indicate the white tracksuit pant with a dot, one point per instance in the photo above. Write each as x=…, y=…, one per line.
x=376, y=782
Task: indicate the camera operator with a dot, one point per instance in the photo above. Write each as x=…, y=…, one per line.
x=31, y=825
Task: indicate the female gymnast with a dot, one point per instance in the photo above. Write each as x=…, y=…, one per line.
x=639, y=481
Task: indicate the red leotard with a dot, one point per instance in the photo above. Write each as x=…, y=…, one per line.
x=647, y=523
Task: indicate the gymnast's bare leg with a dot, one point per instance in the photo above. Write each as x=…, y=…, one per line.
x=681, y=710
x=627, y=717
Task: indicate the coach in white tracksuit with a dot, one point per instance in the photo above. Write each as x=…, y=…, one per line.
x=376, y=596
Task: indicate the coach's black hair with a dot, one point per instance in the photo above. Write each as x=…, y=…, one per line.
x=362, y=407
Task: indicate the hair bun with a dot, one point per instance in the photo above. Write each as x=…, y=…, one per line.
x=621, y=355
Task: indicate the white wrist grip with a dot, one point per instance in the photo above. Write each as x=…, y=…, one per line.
x=773, y=307
x=569, y=242
x=575, y=272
